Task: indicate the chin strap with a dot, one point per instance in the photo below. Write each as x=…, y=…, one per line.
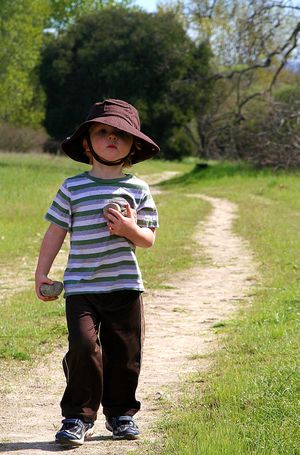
x=101, y=160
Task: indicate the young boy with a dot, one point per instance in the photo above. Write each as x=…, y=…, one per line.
x=102, y=280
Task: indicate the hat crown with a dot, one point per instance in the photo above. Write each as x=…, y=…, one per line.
x=117, y=114
x=115, y=108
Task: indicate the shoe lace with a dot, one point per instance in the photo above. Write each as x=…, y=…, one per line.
x=124, y=422
x=68, y=424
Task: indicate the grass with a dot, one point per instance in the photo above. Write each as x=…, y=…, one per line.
x=174, y=247
x=29, y=327
x=28, y=184
x=249, y=403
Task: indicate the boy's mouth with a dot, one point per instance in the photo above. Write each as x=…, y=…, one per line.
x=112, y=146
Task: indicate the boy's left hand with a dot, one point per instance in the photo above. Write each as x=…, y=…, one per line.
x=121, y=225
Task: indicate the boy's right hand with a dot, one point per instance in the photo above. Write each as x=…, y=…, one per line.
x=39, y=280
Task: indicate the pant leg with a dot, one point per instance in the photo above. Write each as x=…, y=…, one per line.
x=83, y=361
x=121, y=335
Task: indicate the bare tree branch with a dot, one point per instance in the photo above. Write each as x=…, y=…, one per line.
x=258, y=34
x=294, y=39
x=274, y=5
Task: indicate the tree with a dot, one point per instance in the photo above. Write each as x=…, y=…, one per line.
x=21, y=36
x=147, y=59
x=22, y=25
x=252, y=41
x=66, y=12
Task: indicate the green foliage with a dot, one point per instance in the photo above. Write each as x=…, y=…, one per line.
x=21, y=37
x=288, y=93
x=144, y=58
x=65, y=12
x=22, y=26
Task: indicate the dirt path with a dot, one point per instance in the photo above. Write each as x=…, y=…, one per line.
x=178, y=332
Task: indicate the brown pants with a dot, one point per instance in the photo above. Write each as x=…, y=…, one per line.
x=104, y=358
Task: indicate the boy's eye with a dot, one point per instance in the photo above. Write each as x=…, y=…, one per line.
x=122, y=134
x=105, y=131
x=102, y=131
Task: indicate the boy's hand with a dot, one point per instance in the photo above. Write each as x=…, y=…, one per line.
x=121, y=225
x=39, y=280
x=126, y=226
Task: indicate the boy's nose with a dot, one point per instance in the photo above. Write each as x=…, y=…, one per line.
x=112, y=136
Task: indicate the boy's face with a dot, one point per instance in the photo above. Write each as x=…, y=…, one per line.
x=109, y=142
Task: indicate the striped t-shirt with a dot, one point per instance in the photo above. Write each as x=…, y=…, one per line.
x=99, y=261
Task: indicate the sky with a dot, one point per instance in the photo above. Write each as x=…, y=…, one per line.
x=148, y=5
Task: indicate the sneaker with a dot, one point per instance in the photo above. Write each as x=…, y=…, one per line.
x=122, y=427
x=73, y=432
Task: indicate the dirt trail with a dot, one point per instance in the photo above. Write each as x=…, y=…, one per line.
x=178, y=332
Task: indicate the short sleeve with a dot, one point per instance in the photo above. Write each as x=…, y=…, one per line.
x=147, y=215
x=59, y=212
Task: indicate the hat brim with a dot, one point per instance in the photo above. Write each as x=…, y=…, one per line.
x=73, y=147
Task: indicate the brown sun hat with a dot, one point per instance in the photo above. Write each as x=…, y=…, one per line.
x=115, y=113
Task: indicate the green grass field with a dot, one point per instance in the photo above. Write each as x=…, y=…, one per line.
x=249, y=402
x=29, y=327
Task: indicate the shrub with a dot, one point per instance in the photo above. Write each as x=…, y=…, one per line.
x=288, y=94
x=275, y=141
x=21, y=139
x=267, y=136
x=52, y=146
